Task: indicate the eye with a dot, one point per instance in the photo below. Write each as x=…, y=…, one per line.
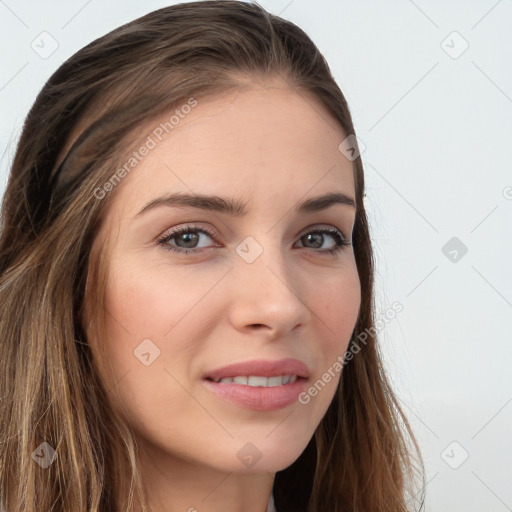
x=317, y=237
x=185, y=239
x=186, y=234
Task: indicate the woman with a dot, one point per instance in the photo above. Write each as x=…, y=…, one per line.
x=185, y=267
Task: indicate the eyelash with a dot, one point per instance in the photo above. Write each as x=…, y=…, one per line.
x=163, y=241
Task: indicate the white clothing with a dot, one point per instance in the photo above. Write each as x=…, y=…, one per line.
x=271, y=507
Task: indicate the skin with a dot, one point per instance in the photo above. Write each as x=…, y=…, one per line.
x=270, y=147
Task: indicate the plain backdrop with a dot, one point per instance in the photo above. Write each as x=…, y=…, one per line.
x=429, y=85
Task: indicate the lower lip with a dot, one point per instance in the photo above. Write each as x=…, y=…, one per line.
x=258, y=398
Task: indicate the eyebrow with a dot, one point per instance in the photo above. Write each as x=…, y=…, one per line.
x=238, y=208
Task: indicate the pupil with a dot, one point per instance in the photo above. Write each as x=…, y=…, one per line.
x=318, y=237
x=189, y=236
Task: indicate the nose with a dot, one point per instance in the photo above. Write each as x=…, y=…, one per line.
x=267, y=296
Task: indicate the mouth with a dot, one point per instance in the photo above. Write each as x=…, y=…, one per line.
x=260, y=372
x=256, y=393
x=260, y=384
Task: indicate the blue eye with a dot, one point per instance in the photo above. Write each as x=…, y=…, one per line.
x=191, y=235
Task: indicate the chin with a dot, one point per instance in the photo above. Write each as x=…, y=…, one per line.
x=264, y=456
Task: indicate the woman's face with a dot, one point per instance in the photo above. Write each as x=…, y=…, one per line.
x=235, y=287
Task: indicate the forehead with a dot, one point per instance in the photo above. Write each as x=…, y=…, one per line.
x=265, y=140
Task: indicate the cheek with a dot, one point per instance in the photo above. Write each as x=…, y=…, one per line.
x=335, y=303
x=335, y=308
x=155, y=315
x=152, y=300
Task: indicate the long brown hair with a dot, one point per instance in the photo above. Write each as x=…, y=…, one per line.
x=363, y=456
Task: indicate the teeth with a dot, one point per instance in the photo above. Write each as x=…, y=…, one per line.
x=276, y=381
x=257, y=381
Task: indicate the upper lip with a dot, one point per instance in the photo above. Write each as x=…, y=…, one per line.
x=261, y=367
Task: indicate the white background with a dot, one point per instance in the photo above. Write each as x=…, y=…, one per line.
x=437, y=127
